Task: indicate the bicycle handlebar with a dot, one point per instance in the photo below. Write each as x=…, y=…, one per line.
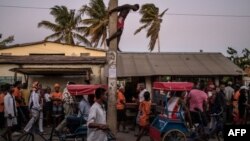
x=217, y=114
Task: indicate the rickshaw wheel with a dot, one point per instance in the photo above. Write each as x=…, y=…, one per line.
x=174, y=135
x=26, y=137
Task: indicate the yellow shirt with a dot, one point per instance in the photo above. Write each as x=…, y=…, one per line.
x=25, y=94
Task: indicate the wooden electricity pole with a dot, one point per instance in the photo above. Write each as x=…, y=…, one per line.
x=112, y=79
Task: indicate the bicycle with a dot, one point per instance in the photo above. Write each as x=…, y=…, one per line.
x=201, y=131
x=29, y=136
x=217, y=129
x=110, y=135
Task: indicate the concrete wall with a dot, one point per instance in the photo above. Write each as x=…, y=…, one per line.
x=96, y=76
x=5, y=74
x=52, y=48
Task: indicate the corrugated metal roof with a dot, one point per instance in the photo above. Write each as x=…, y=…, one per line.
x=150, y=64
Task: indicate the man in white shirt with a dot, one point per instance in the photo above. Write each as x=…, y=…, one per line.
x=229, y=92
x=142, y=89
x=10, y=111
x=48, y=106
x=36, y=109
x=97, y=123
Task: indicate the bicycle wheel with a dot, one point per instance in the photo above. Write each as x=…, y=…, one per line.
x=26, y=137
x=174, y=135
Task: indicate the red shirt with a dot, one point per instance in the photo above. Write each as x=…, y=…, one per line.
x=2, y=102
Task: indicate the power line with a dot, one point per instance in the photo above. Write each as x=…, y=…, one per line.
x=210, y=15
x=24, y=7
x=171, y=14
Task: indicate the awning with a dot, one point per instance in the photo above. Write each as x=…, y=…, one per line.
x=52, y=71
x=174, y=86
x=81, y=89
x=51, y=60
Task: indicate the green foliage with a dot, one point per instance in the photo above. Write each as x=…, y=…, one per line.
x=6, y=41
x=242, y=61
x=97, y=22
x=66, y=27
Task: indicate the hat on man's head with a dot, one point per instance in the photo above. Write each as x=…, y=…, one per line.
x=56, y=85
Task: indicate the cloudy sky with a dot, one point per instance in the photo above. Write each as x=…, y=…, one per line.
x=188, y=26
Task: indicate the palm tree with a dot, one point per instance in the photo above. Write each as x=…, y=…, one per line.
x=8, y=40
x=97, y=23
x=66, y=27
x=151, y=19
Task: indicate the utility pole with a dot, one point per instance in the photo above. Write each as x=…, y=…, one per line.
x=112, y=78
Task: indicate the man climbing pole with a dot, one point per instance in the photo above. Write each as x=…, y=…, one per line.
x=123, y=12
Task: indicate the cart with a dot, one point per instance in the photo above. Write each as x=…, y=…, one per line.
x=166, y=126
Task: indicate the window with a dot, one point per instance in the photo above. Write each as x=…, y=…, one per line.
x=6, y=54
x=9, y=79
x=57, y=54
x=85, y=54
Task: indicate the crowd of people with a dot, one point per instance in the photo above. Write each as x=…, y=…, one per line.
x=21, y=109
x=20, y=112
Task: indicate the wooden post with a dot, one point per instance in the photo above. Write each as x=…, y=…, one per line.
x=112, y=80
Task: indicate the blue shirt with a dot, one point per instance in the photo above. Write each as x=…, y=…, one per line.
x=84, y=109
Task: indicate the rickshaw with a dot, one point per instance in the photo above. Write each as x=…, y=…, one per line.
x=76, y=90
x=80, y=90
x=168, y=125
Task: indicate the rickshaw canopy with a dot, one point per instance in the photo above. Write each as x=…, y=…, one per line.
x=84, y=89
x=173, y=86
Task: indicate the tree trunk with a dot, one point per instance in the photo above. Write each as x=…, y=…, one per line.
x=159, y=49
x=112, y=81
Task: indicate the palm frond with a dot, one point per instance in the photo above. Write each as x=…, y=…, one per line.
x=90, y=21
x=152, y=42
x=104, y=36
x=49, y=25
x=163, y=12
x=83, y=9
x=83, y=39
x=140, y=28
x=146, y=20
x=54, y=37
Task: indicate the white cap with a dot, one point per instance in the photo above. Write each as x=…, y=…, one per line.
x=244, y=87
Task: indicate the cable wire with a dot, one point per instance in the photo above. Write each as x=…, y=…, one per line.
x=171, y=14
